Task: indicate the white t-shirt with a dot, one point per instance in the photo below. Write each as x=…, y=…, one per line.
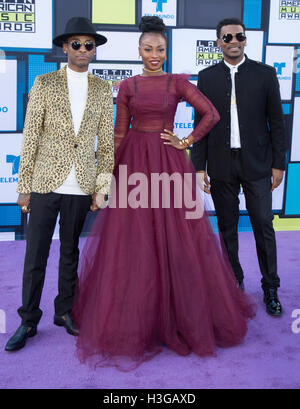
x=78, y=91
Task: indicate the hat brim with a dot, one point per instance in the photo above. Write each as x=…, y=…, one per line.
x=60, y=40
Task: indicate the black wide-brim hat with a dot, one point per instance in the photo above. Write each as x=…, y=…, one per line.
x=79, y=26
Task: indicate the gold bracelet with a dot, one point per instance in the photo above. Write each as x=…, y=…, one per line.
x=185, y=142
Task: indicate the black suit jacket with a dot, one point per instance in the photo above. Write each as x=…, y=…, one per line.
x=260, y=121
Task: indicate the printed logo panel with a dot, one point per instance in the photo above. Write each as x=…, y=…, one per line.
x=194, y=50
x=165, y=9
x=9, y=166
x=26, y=24
x=8, y=95
x=284, y=25
x=282, y=59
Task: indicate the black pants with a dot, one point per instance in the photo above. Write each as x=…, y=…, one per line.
x=42, y=221
x=259, y=205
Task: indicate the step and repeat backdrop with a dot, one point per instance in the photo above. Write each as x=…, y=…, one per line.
x=27, y=28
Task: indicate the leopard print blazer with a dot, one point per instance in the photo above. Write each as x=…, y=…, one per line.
x=50, y=147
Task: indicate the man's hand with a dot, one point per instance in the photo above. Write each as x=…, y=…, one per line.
x=277, y=177
x=24, y=202
x=94, y=206
x=203, y=182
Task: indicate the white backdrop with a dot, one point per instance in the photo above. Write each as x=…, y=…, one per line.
x=120, y=46
x=8, y=95
x=295, y=152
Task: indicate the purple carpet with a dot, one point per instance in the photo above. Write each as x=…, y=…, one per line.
x=268, y=358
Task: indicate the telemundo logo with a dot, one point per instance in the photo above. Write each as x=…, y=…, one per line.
x=187, y=124
x=279, y=67
x=159, y=10
x=159, y=4
x=15, y=161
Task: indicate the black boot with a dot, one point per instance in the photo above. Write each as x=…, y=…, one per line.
x=18, y=340
x=273, y=306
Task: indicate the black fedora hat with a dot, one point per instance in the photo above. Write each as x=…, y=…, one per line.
x=79, y=26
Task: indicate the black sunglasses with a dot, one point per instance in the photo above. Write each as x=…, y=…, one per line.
x=76, y=44
x=229, y=37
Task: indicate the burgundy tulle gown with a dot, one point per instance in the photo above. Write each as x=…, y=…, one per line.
x=149, y=277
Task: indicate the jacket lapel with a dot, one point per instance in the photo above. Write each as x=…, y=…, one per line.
x=66, y=106
x=89, y=104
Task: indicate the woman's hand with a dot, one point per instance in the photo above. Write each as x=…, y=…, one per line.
x=172, y=140
x=98, y=202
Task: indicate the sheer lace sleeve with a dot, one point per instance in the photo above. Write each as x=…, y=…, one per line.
x=123, y=116
x=209, y=115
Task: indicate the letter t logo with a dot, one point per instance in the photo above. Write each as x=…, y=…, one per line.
x=279, y=67
x=159, y=4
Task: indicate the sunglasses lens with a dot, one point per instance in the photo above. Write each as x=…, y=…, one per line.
x=227, y=38
x=75, y=45
x=89, y=46
x=240, y=37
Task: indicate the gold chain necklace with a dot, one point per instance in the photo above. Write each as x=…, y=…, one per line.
x=146, y=69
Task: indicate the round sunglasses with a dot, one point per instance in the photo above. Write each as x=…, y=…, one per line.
x=229, y=37
x=76, y=44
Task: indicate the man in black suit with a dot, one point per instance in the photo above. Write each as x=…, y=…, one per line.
x=246, y=148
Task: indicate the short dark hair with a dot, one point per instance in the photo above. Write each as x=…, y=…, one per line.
x=228, y=22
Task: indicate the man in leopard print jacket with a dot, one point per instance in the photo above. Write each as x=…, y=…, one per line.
x=58, y=173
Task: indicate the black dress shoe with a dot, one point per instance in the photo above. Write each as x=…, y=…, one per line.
x=18, y=340
x=67, y=323
x=273, y=306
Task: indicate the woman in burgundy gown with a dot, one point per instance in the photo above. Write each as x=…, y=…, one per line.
x=149, y=275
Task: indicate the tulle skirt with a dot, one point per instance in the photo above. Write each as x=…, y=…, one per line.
x=151, y=275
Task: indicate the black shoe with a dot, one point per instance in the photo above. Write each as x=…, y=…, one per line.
x=67, y=323
x=273, y=306
x=18, y=340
